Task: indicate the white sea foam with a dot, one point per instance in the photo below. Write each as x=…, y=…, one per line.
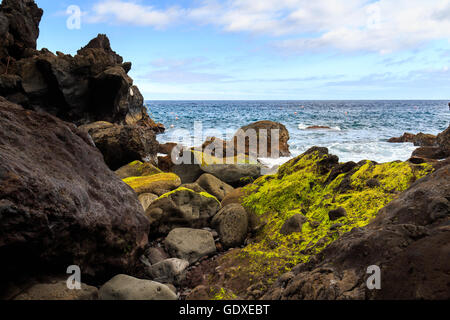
x=272, y=162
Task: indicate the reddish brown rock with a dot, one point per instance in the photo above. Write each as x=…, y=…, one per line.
x=264, y=128
x=19, y=28
x=420, y=139
x=60, y=204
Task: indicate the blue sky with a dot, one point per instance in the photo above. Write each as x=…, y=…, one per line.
x=268, y=49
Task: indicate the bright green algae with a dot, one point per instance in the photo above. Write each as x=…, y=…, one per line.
x=204, y=194
x=300, y=188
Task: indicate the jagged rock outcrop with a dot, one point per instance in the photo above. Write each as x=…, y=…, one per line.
x=19, y=29
x=440, y=150
x=91, y=86
x=60, y=205
x=420, y=139
x=409, y=241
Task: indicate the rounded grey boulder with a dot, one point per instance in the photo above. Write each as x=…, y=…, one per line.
x=123, y=287
x=190, y=244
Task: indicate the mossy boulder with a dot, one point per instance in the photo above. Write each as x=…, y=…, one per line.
x=181, y=208
x=193, y=186
x=137, y=169
x=157, y=183
x=311, y=185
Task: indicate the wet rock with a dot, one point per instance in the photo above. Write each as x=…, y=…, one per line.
x=214, y=186
x=181, y=208
x=123, y=287
x=420, y=139
x=190, y=244
x=231, y=223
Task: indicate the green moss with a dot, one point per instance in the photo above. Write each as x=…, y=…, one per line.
x=140, y=183
x=300, y=188
x=205, y=159
x=223, y=294
x=204, y=194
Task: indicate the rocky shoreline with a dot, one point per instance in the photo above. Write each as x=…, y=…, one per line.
x=83, y=183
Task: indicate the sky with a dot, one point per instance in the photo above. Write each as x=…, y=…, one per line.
x=266, y=49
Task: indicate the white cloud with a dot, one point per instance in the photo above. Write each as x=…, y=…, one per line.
x=190, y=70
x=352, y=25
x=133, y=13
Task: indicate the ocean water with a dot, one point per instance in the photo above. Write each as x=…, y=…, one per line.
x=359, y=131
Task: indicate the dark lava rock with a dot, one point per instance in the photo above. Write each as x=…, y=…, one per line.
x=91, y=86
x=293, y=224
x=440, y=150
x=262, y=128
x=19, y=27
x=60, y=205
x=336, y=214
x=122, y=144
x=420, y=139
x=409, y=241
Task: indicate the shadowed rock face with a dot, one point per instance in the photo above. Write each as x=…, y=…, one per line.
x=91, y=86
x=59, y=203
x=122, y=144
x=409, y=241
x=19, y=28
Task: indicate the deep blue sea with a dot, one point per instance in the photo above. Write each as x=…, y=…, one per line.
x=360, y=128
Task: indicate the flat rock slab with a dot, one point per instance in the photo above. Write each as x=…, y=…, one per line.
x=123, y=287
x=190, y=244
x=168, y=271
x=58, y=290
